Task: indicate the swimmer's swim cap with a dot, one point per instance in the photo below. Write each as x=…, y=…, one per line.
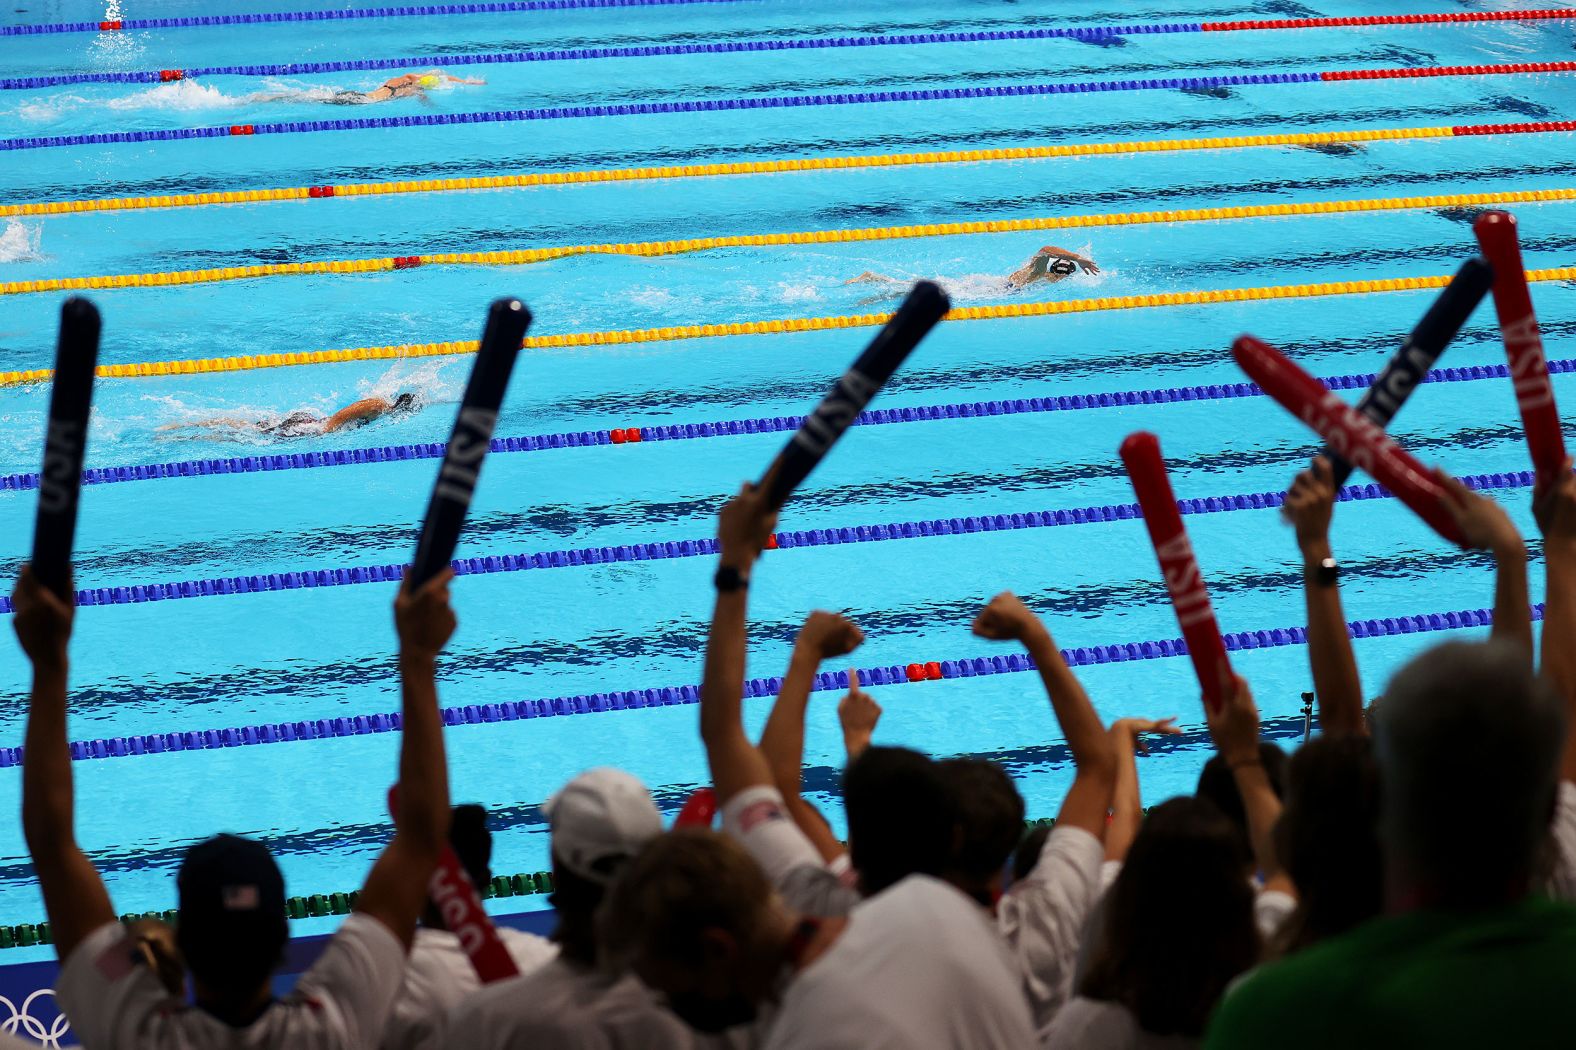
x=429, y=81
x=1064, y=267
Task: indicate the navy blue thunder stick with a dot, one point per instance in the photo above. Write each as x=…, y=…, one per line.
x=925, y=305
x=1391, y=387
x=507, y=320
x=65, y=441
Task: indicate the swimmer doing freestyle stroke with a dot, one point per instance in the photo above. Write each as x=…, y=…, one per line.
x=1050, y=264
x=406, y=86
x=305, y=423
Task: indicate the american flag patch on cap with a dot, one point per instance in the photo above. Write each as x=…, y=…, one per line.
x=241, y=898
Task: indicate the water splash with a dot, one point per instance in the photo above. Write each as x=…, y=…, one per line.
x=19, y=242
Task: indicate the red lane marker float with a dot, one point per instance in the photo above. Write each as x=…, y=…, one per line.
x=1349, y=433
x=1512, y=129
x=172, y=74
x=1388, y=20
x=1178, y=565
x=457, y=901
x=1448, y=71
x=241, y=129
x=109, y=27
x=406, y=262
x=1518, y=326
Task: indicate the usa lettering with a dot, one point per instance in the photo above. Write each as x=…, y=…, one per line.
x=835, y=412
x=1385, y=397
x=1179, y=567
x=462, y=460
x=1528, y=369
x=62, y=449
x=457, y=914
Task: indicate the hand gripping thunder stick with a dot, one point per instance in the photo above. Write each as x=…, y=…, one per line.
x=1178, y=566
x=65, y=441
x=1518, y=326
x=1401, y=374
x=507, y=319
x=925, y=305
x=1350, y=434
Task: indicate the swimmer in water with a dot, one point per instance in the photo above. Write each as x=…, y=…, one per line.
x=1050, y=264
x=399, y=87
x=309, y=424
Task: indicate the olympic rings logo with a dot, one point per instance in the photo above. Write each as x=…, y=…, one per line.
x=22, y=1021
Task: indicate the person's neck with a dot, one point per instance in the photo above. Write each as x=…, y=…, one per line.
x=238, y=1013
x=1406, y=893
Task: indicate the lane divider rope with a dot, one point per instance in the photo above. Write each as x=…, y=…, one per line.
x=261, y=583
x=732, y=428
x=772, y=167
x=779, y=327
x=623, y=109
x=155, y=76
x=258, y=18
x=650, y=249
x=667, y=696
x=193, y=21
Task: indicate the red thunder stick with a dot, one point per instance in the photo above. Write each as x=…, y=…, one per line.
x=1348, y=433
x=1189, y=597
x=1518, y=326
x=698, y=810
x=461, y=907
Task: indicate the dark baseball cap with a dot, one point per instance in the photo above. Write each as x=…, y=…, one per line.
x=232, y=925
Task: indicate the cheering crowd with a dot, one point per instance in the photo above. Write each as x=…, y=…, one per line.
x=1401, y=880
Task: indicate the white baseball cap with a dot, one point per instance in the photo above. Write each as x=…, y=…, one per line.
x=600, y=818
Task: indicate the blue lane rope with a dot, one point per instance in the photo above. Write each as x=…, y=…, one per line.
x=650, y=108
x=192, y=21
x=154, y=76
x=734, y=427
x=137, y=594
x=630, y=699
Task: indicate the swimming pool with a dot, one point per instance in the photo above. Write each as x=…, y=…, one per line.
x=300, y=653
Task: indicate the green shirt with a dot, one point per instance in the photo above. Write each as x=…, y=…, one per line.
x=1505, y=977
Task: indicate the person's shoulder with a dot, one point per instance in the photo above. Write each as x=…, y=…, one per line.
x=1262, y=1008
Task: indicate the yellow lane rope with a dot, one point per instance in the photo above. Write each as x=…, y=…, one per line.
x=802, y=324
x=696, y=244
x=687, y=171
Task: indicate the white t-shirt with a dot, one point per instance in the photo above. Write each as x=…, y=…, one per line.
x=918, y=967
x=1043, y=915
x=341, y=1003
x=759, y=819
x=1089, y=1024
x=562, y=1007
x=439, y=974
x=1562, y=881
x=1271, y=909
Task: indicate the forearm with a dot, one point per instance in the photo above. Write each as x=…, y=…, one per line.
x=855, y=741
x=1263, y=809
x=1331, y=658
x=423, y=818
x=48, y=795
x=1086, y=737
x=1127, y=811
x=1512, y=612
x=782, y=741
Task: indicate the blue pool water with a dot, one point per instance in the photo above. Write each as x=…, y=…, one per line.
x=247, y=659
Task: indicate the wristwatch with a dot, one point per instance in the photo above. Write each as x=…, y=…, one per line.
x=1327, y=573
x=729, y=579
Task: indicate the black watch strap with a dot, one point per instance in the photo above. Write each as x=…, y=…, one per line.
x=1327, y=573
x=729, y=579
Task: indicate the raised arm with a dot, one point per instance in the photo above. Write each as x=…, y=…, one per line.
x=858, y=713
x=743, y=528
x=396, y=888
x=1555, y=508
x=1309, y=504
x=1234, y=725
x=1127, y=810
x=366, y=408
x=1007, y=618
x=824, y=636
x=74, y=895
x=1488, y=527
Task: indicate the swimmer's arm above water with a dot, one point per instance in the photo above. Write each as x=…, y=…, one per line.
x=367, y=409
